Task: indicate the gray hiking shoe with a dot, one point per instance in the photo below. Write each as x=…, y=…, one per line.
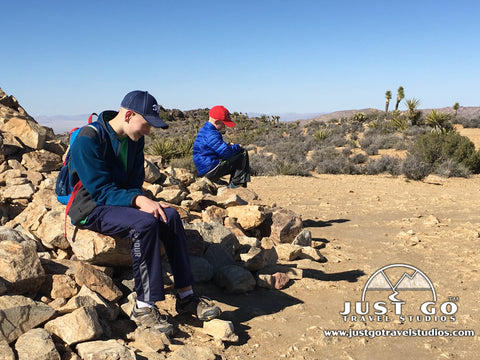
x=150, y=317
x=202, y=307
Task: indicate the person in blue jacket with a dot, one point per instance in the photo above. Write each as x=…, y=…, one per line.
x=109, y=161
x=213, y=157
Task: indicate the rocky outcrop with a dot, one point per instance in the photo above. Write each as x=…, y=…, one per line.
x=78, y=289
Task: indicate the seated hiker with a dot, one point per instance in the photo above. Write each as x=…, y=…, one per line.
x=213, y=157
x=109, y=161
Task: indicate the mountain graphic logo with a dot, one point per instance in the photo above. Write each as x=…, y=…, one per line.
x=412, y=279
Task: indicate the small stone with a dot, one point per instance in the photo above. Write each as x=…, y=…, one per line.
x=220, y=329
x=287, y=252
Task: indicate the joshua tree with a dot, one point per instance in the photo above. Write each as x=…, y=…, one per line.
x=400, y=96
x=455, y=108
x=413, y=113
x=275, y=119
x=388, y=96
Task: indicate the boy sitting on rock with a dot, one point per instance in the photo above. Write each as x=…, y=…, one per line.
x=213, y=157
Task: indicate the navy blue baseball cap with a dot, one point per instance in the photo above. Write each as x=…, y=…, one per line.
x=144, y=104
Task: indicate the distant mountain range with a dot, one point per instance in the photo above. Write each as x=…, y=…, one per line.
x=63, y=123
x=467, y=112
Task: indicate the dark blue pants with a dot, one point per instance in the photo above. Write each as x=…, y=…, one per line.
x=146, y=232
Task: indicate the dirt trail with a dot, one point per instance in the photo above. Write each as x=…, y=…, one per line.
x=366, y=223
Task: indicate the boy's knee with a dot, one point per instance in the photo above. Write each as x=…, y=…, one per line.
x=146, y=223
x=172, y=214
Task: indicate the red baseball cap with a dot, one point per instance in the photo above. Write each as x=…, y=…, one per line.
x=221, y=113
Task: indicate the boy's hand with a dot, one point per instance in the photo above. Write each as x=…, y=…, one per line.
x=152, y=207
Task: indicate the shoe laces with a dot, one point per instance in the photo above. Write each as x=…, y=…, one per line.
x=159, y=317
x=156, y=314
x=205, y=300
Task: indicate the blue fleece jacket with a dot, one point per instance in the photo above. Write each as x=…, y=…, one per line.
x=94, y=160
x=209, y=148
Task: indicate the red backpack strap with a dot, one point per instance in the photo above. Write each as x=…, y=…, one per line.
x=71, y=132
x=90, y=118
x=77, y=187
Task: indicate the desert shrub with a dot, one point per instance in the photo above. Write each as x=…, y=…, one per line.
x=457, y=147
x=337, y=140
x=469, y=123
x=315, y=125
x=451, y=168
x=436, y=147
x=330, y=161
x=415, y=131
x=415, y=169
x=347, y=151
x=261, y=165
x=382, y=141
x=326, y=153
x=386, y=163
x=286, y=167
x=359, y=158
x=352, y=127
x=340, y=165
x=372, y=149
x=428, y=147
x=293, y=148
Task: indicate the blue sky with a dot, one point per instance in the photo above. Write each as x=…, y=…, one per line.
x=67, y=58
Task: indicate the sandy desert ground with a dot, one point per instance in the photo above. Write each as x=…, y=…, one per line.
x=362, y=224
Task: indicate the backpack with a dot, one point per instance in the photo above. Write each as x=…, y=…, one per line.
x=63, y=187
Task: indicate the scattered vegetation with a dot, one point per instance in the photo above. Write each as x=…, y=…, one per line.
x=351, y=145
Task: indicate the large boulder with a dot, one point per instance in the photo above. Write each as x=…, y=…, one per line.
x=286, y=225
x=20, y=265
x=79, y=326
x=20, y=314
x=36, y=344
x=27, y=131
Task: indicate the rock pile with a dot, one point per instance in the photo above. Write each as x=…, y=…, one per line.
x=70, y=297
